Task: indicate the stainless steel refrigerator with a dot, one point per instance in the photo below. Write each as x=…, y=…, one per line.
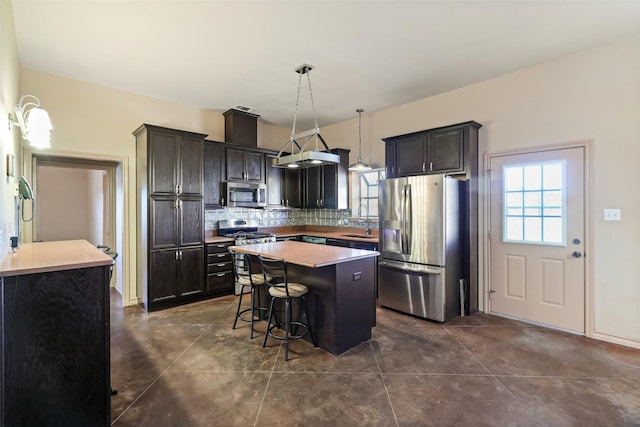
x=420, y=265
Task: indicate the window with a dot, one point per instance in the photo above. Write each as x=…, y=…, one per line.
x=534, y=203
x=365, y=193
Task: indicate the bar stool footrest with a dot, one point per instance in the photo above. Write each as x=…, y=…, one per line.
x=291, y=337
x=256, y=310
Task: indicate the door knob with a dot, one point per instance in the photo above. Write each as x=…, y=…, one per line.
x=576, y=254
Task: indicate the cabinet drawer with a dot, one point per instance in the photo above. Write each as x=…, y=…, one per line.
x=220, y=283
x=218, y=267
x=218, y=247
x=218, y=258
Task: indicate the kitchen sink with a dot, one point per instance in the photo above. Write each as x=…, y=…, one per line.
x=362, y=236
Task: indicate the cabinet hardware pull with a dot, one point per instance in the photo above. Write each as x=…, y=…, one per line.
x=180, y=254
x=430, y=166
x=220, y=246
x=220, y=265
x=221, y=274
x=177, y=256
x=423, y=167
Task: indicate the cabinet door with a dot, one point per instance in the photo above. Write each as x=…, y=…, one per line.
x=163, y=158
x=335, y=182
x=390, y=159
x=275, y=183
x=235, y=164
x=330, y=187
x=313, y=187
x=163, y=276
x=191, y=166
x=191, y=271
x=410, y=155
x=213, y=174
x=254, y=166
x=445, y=151
x=191, y=221
x=163, y=223
x=292, y=188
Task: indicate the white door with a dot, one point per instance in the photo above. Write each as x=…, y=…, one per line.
x=537, y=270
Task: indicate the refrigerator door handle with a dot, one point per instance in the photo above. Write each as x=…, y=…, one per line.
x=403, y=222
x=408, y=219
x=414, y=268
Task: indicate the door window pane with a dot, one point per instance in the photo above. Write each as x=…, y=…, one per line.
x=534, y=203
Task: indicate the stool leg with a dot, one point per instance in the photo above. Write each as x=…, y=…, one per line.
x=287, y=326
x=239, y=304
x=264, y=343
x=251, y=311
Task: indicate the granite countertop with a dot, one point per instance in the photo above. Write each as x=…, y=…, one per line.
x=42, y=257
x=306, y=254
x=347, y=234
x=218, y=239
x=340, y=235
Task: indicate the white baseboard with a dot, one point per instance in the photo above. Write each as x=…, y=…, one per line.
x=626, y=341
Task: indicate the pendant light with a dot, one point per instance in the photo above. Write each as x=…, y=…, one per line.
x=359, y=166
x=288, y=157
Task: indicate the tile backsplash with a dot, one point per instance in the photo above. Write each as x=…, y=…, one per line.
x=282, y=217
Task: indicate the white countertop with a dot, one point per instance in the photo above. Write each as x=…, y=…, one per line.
x=305, y=254
x=42, y=257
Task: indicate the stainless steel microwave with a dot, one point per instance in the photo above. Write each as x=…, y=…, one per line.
x=246, y=194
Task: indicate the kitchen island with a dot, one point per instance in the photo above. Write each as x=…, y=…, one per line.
x=54, y=341
x=342, y=288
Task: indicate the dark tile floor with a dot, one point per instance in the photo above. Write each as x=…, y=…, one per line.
x=187, y=367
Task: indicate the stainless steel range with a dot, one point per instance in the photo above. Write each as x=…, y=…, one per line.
x=244, y=232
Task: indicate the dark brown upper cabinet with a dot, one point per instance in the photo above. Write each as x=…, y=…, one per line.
x=284, y=185
x=175, y=162
x=214, y=164
x=245, y=165
x=327, y=187
x=448, y=150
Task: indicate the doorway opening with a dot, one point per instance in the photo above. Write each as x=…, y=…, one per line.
x=79, y=199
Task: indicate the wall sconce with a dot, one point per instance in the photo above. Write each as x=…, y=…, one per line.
x=34, y=122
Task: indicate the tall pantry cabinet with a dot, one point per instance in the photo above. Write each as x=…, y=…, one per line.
x=170, y=231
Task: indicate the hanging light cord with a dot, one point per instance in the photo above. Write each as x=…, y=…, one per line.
x=301, y=71
x=295, y=113
x=359, y=110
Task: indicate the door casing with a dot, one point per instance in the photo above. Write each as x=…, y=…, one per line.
x=484, y=243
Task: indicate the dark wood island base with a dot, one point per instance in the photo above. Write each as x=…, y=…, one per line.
x=342, y=284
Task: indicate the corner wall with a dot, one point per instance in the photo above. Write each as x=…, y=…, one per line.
x=9, y=139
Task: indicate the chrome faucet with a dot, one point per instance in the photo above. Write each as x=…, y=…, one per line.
x=367, y=229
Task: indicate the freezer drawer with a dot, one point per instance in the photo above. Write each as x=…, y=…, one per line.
x=421, y=292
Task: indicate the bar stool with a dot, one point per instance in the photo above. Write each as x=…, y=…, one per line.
x=244, y=277
x=275, y=275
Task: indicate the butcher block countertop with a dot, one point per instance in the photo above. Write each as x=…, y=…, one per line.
x=305, y=254
x=42, y=257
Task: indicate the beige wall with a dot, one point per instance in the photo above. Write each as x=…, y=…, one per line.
x=70, y=204
x=9, y=141
x=591, y=96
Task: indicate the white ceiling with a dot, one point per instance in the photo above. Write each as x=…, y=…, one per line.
x=367, y=54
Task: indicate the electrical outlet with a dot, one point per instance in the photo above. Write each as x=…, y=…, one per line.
x=612, y=215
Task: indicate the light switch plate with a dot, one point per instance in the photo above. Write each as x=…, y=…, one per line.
x=612, y=215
